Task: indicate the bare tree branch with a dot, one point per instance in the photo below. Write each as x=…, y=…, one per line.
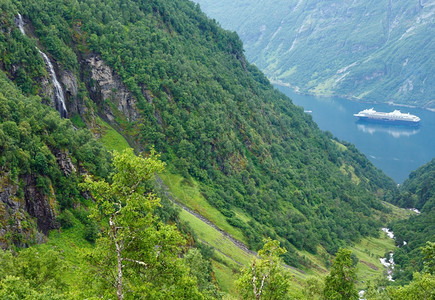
x=135, y=261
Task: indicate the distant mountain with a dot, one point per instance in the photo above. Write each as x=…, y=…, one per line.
x=376, y=51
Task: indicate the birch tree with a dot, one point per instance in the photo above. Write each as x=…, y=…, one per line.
x=136, y=254
x=266, y=278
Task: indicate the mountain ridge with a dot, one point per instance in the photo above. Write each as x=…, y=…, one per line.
x=375, y=52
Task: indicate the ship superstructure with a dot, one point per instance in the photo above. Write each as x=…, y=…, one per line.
x=391, y=117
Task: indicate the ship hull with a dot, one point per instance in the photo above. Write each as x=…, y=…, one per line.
x=388, y=121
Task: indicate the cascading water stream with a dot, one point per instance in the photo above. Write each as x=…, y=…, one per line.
x=58, y=92
x=388, y=262
x=59, y=98
x=20, y=23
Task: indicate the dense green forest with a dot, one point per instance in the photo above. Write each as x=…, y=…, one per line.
x=374, y=51
x=418, y=191
x=214, y=119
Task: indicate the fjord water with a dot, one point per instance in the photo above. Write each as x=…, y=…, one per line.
x=395, y=149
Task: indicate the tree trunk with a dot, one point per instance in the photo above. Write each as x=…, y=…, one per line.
x=119, y=281
x=119, y=258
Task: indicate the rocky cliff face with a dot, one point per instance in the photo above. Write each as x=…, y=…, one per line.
x=71, y=90
x=16, y=223
x=26, y=212
x=106, y=87
x=38, y=205
x=64, y=161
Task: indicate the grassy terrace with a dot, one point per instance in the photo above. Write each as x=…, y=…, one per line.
x=111, y=138
x=368, y=251
x=188, y=193
x=228, y=258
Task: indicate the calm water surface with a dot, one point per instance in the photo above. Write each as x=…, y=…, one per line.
x=396, y=149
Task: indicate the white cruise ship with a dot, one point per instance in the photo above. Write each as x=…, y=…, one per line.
x=391, y=117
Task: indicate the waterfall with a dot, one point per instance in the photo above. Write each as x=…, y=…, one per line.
x=20, y=23
x=58, y=92
x=59, y=98
x=389, y=264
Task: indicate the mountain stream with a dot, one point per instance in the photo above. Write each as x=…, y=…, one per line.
x=388, y=262
x=59, y=97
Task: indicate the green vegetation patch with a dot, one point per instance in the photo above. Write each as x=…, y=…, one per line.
x=340, y=146
x=215, y=239
x=350, y=171
x=369, y=251
x=110, y=138
x=189, y=194
x=225, y=275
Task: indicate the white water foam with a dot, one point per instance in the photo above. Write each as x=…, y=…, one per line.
x=389, y=264
x=59, y=97
x=58, y=92
x=388, y=232
x=20, y=23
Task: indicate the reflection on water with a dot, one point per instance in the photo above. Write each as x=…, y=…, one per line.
x=395, y=131
x=396, y=149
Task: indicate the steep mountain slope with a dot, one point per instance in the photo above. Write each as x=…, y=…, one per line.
x=377, y=51
x=41, y=160
x=163, y=74
x=418, y=191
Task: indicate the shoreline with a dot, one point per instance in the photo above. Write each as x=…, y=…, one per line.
x=297, y=90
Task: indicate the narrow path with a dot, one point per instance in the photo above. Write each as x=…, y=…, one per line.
x=226, y=255
x=165, y=189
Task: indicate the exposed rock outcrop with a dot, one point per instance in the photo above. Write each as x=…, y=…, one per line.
x=70, y=83
x=39, y=206
x=71, y=88
x=16, y=226
x=64, y=161
x=106, y=85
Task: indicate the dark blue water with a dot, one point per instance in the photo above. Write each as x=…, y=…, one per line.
x=395, y=149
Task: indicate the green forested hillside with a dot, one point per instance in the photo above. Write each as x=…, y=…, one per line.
x=43, y=160
x=376, y=51
x=38, y=180
x=212, y=115
x=418, y=191
x=169, y=80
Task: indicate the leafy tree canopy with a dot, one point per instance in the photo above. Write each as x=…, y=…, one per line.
x=266, y=278
x=142, y=251
x=340, y=283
